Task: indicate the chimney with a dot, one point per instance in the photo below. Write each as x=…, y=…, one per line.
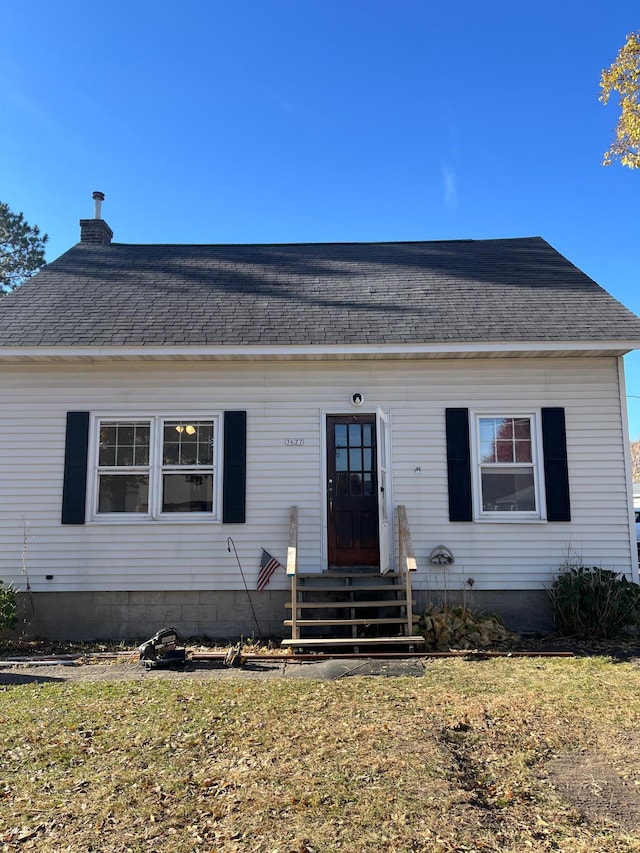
x=96, y=230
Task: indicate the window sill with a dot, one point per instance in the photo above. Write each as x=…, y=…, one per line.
x=164, y=519
x=509, y=518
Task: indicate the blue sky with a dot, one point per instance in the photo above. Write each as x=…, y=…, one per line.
x=321, y=120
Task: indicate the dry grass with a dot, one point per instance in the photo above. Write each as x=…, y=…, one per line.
x=454, y=761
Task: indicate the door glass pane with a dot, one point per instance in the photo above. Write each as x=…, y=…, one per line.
x=355, y=460
x=341, y=435
x=355, y=482
x=187, y=492
x=367, y=459
x=342, y=485
x=341, y=460
x=367, y=484
x=367, y=435
x=123, y=493
x=355, y=435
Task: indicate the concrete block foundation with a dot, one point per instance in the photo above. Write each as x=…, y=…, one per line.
x=227, y=614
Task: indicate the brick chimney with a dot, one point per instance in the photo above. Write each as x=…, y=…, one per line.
x=96, y=230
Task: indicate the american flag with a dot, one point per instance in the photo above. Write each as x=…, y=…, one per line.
x=268, y=565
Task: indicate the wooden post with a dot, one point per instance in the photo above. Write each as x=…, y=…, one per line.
x=407, y=561
x=292, y=569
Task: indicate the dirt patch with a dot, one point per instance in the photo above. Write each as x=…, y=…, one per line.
x=595, y=789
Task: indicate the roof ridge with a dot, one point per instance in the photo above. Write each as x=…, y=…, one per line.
x=330, y=243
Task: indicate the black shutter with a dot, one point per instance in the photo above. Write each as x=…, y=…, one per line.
x=234, y=473
x=556, y=472
x=74, y=487
x=459, y=465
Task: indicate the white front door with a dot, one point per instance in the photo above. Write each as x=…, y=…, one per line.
x=384, y=495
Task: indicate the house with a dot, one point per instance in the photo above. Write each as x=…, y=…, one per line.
x=164, y=407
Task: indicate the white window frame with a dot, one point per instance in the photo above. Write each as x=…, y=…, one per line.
x=155, y=469
x=536, y=464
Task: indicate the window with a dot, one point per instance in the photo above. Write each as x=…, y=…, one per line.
x=156, y=467
x=507, y=475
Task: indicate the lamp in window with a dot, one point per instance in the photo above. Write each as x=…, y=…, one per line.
x=189, y=429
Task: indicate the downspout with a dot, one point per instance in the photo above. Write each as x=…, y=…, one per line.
x=626, y=440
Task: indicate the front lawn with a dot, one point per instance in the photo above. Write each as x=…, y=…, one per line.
x=486, y=755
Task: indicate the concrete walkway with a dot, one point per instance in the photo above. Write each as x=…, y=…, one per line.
x=329, y=669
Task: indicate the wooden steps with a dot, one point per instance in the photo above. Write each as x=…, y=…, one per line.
x=341, y=622
x=337, y=605
x=356, y=609
x=406, y=643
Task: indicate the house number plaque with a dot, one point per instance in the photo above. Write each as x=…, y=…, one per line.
x=293, y=442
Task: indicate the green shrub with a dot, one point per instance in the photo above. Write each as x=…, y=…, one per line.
x=8, y=606
x=593, y=603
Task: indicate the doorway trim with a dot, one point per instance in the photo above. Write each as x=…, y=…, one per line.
x=388, y=495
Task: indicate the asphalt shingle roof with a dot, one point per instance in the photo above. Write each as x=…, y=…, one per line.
x=326, y=293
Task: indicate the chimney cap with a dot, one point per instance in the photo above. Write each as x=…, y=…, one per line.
x=97, y=196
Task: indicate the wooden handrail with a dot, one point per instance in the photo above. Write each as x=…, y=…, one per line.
x=407, y=562
x=292, y=569
x=292, y=550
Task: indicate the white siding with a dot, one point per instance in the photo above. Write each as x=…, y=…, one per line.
x=286, y=400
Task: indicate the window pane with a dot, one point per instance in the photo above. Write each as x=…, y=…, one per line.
x=504, y=451
x=187, y=493
x=523, y=451
x=124, y=444
x=171, y=453
x=188, y=449
x=124, y=455
x=508, y=490
x=505, y=440
x=187, y=443
x=123, y=493
x=205, y=443
x=126, y=433
x=107, y=455
x=487, y=440
x=504, y=428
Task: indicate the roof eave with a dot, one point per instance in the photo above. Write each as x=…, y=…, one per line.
x=489, y=349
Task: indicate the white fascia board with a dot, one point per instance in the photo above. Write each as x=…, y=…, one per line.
x=53, y=353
